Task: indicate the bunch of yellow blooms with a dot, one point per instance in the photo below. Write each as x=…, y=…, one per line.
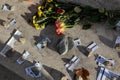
x=66, y=15
x=40, y=13
x=37, y=26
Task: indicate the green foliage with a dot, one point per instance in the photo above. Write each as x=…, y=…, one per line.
x=73, y=14
x=86, y=26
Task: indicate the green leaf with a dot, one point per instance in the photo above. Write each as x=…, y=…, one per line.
x=86, y=26
x=40, y=20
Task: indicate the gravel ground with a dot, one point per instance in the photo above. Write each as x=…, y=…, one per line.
x=100, y=33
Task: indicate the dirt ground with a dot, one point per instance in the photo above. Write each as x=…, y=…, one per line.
x=101, y=33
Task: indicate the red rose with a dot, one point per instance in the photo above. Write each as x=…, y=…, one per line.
x=60, y=11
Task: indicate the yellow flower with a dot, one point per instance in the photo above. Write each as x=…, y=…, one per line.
x=41, y=7
x=50, y=9
x=62, y=24
x=34, y=19
x=37, y=27
x=40, y=13
x=43, y=26
x=49, y=1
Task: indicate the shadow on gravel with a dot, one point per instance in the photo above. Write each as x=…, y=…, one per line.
x=33, y=10
x=57, y=75
x=49, y=32
x=106, y=41
x=83, y=50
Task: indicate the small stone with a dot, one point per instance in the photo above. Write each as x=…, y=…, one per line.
x=17, y=43
x=12, y=8
x=44, y=43
x=22, y=40
x=6, y=24
x=80, y=78
x=107, y=63
x=64, y=78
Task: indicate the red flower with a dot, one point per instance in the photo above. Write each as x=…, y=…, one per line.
x=60, y=27
x=57, y=23
x=60, y=11
x=58, y=31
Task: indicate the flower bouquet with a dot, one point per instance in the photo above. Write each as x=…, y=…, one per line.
x=55, y=12
x=67, y=15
